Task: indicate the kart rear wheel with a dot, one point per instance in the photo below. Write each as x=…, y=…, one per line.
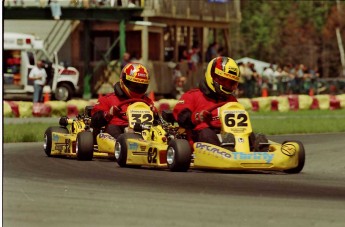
x=84, y=146
x=121, y=147
x=48, y=140
x=179, y=155
x=301, y=158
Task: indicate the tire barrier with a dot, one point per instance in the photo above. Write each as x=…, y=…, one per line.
x=72, y=108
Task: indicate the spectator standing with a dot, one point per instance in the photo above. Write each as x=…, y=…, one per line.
x=248, y=74
x=220, y=52
x=241, y=82
x=285, y=79
x=131, y=4
x=125, y=59
x=39, y=76
x=276, y=82
x=211, y=52
x=55, y=9
x=193, y=57
x=267, y=77
x=179, y=81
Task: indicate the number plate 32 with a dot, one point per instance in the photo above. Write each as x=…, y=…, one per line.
x=139, y=112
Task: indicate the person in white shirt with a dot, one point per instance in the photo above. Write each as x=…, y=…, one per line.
x=39, y=76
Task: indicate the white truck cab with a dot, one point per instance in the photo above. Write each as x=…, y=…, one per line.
x=20, y=56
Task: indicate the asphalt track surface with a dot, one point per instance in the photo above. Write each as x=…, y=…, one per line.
x=42, y=191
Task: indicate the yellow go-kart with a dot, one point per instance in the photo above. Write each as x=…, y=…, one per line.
x=75, y=138
x=240, y=148
x=147, y=140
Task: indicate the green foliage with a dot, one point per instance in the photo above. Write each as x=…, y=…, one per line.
x=286, y=31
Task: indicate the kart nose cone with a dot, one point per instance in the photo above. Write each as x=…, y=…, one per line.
x=289, y=149
x=170, y=155
x=117, y=150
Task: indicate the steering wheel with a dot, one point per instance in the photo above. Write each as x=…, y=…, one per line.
x=122, y=115
x=211, y=109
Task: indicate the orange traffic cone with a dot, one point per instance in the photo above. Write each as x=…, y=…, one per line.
x=46, y=97
x=264, y=92
x=311, y=92
x=152, y=96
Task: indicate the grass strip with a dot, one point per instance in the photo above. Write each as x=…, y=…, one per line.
x=269, y=123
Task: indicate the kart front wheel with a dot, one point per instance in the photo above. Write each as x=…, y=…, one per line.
x=179, y=155
x=121, y=147
x=301, y=158
x=48, y=138
x=84, y=146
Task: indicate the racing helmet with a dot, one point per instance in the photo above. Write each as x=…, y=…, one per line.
x=134, y=80
x=222, y=76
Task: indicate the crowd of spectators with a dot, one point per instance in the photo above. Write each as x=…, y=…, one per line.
x=277, y=80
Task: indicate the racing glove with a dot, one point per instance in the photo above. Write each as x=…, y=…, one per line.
x=203, y=116
x=113, y=111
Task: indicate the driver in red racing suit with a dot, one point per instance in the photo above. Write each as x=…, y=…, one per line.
x=191, y=111
x=134, y=81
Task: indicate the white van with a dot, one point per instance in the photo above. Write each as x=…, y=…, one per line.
x=20, y=56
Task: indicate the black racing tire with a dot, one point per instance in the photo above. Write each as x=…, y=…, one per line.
x=48, y=140
x=63, y=92
x=84, y=146
x=121, y=147
x=301, y=158
x=179, y=154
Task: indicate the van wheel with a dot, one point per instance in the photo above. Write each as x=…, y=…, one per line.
x=63, y=92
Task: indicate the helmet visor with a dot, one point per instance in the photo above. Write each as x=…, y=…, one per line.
x=226, y=85
x=136, y=87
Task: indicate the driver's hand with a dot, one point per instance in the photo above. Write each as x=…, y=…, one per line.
x=203, y=116
x=113, y=111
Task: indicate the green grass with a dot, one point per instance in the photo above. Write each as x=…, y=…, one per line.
x=295, y=122
x=29, y=132
x=269, y=123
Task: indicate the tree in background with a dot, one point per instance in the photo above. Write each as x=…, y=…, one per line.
x=292, y=32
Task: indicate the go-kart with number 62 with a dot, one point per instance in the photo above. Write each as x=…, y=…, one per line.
x=75, y=138
x=240, y=148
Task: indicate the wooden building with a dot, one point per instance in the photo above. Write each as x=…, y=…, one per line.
x=156, y=31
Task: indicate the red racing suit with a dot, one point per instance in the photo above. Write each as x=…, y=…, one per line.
x=100, y=112
x=192, y=102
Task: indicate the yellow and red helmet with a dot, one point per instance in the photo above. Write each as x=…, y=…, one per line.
x=134, y=80
x=222, y=75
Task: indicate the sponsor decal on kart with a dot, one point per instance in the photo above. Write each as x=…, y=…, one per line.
x=106, y=136
x=62, y=146
x=253, y=156
x=133, y=146
x=55, y=137
x=142, y=148
x=212, y=149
